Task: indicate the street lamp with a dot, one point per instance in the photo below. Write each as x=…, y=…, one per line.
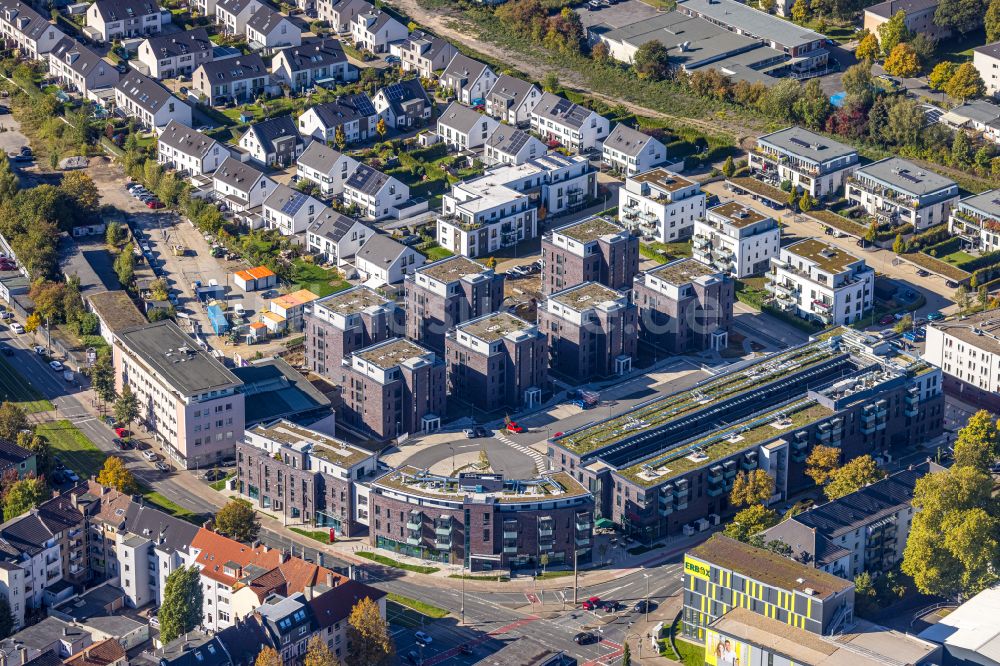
x=646, y=576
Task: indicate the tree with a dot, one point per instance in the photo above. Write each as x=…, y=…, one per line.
x=102, y=378
x=966, y=83
x=339, y=138
x=978, y=443
x=115, y=475
x=806, y=203
x=33, y=322
x=237, y=520
x=114, y=233
x=962, y=16
x=627, y=654
x=961, y=150
x=942, y=73
x=491, y=263
x=270, y=657
x=368, y=636
x=600, y=53
x=752, y=487
x=821, y=463
x=872, y=231
x=318, y=653
x=962, y=298
x=652, y=61
x=124, y=266
x=992, y=22
x=38, y=445
x=800, y=11
x=903, y=61
x=893, y=32
x=899, y=245
x=750, y=521
x=6, y=619
x=904, y=324
x=24, y=494
x=127, y=407
x=868, y=48
x=181, y=610
x=12, y=421
x=852, y=476
x=857, y=81
x=925, y=47
x=381, y=128
x=952, y=550
x=80, y=188
x=728, y=167
x=550, y=82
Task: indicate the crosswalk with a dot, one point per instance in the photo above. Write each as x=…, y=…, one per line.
x=541, y=464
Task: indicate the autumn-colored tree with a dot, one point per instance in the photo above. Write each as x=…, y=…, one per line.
x=966, y=83
x=339, y=138
x=318, y=653
x=728, y=167
x=115, y=475
x=13, y=420
x=268, y=657
x=941, y=74
x=380, y=128
x=893, y=32
x=821, y=463
x=903, y=61
x=978, y=443
x=753, y=487
x=852, y=476
x=868, y=48
x=800, y=11
x=368, y=636
x=750, y=521
x=238, y=520
x=491, y=263
x=33, y=322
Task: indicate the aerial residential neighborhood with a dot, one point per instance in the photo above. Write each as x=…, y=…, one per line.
x=594, y=332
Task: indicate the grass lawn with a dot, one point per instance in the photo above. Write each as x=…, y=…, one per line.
x=220, y=485
x=389, y=562
x=437, y=253
x=419, y=606
x=957, y=258
x=500, y=579
x=548, y=575
x=171, y=507
x=318, y=535
x=958, y=49
x=690, y=654
x=665, y=252
x=318, y=280
x=72, y=447
x=17, y=388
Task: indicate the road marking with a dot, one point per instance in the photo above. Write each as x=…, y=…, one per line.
x=540, y=462
x=448, y=654
x=532, y=598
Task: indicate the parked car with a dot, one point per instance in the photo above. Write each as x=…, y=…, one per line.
x=150, y=456
x=482, y=431
x=643, y=606
x=214, y=475
x=56, y=365
x=591, y=603
x=887, y=319
x=17, y=328
x=123, y=432
x=71, y=476
x=612, y=606
x=423, y=637
x=162, y=466
x=584, y=638
x=154, y=204
x=935, y=316
x=922, y=273
x=470, y=433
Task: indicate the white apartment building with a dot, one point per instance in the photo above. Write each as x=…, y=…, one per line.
x=968, y=352
x=986, y=60
x=376, y=30
x=899, y=192
x=818, y=281
x=183, y=149
x=482, y=215
x=976, y=220
x=736, y=239
x=151, y=547
x=340, y=14
x=511, y=100
x=188, y=400
x=576, y=127
x=661, y=204
x=290, y=211
x=423, y=53
x=810, y=161
x=629, y=151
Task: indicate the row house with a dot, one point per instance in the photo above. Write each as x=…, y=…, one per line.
x=374, y=31
x=169, y=56
x=189, y=151
x=592, y=250
x=340, y=14
x=661, y=204
x=149, y=102
x=274, y=142
x=468, y=79
x=462, y=128
x=352, y=115
x=630, y=152
x=561, y=122
x=78, y=68
x=403, y=105
x=290, y=211
x=423, y=53
x=336, y=238
x=25, y=29
x=382, y=260
x=509, y=145
x=314, y=62
x=375, y=194
x=345, y=322
x=238, y=80
x=241, y=186
x=268, y=29
x=232, y=15
x=110, y=20
x=325, y=167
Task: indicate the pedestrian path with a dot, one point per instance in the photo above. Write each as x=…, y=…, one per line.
x=541, y=464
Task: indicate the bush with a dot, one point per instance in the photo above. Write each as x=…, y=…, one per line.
x=945, y=247
x=929, y=237
x=983, y=261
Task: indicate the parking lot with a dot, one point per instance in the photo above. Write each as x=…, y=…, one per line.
x=616, y=16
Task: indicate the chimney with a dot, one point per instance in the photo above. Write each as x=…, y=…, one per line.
x=65, y=631
x=329, y=579
x=284, y=557
x=24, y=656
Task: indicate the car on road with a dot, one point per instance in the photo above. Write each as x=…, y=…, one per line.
x=585, y=638
x=162, y=466
x=393, y=60
x=423, y=637
x=951, y=284
x=40, y=350
x=922, y=273
x=17, y=328
x=121, y=444
x=470, y=433
x=482, y=431
x=643, y=606
x=71, y=476
x=155, y=204
x=612, y=606
x=56, y=365
x=150, y=456
x=592, y=603
x=7, y=351
x=887, y=319
x=935, y=316
x=512, y=426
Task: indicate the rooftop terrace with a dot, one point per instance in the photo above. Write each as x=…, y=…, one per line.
x=590, y=229
x=551, y=486
x=660, y=178
x=585, y=296
x=737, y=214
x=316, y=443
x=829, y=258
x=352, y=301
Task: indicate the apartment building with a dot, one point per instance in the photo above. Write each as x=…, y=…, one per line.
x=736, y=239
x=239, y=80
x=393, y=388
x=312, y=62
x=445, y=293
x=724, y=573
x=462, y=128
x=340, y=14
x=23, y=27
x=108, y=20
x=838, y=391
x=327, y=167
x=79, y=68
x=168, y=56
x=511, y=100
x=345, y=322
x=968, y=352
x=592, y=250
x=468, y=79
x=482, y=521
x=810, y=161
x=986, y=60
x=976, y=220
x=899, y=192
x=919, y=17
x=561, y=122
x=423, y=53
x=864, y=531
x=592, y=331
x=685, y=306
x=304, y=475
x=661, y=205
x=187, y=399
x=815, y=280
x=290, y=211
x=149, y=102
x=629, y=151
x=497, y=361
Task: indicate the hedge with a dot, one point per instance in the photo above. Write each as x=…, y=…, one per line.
x=929, y=237
x=839, y=222
x=942, y=268
x=982, y=261
x=944, y=247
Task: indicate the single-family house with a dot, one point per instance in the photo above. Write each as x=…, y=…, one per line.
x=78, y=68
x=108, y=20
x=383, y=260
x=313, y=62
x=149, y=102
x=462, y=128
x=630, y=151
x=336, y=237
x=469, y=79
x=403, y=104
x=423, y=53
x=376, y=30
x=241, y=186
x=327, y=167
x=186, y=150
x=355, y=115
x=576, y=127
x=269, y=29
x=274, y=141
x=290, y=211
x=340, y=15
x=376, y=195
x=233, y=80
x=167, y=56
x=232, y=15
x=511, y=100
x=27, y=30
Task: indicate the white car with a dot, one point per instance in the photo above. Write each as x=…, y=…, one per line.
x=150, y=456
x=17, y=328
x=56, y=365
x=423, y=638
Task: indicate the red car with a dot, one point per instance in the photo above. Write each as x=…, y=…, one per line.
x=592, y=603
x=513, y=427
x=154, y=204
x=888, y=319
x=123, y=432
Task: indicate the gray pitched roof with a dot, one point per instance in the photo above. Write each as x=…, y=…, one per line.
x=171, y=534
x=562, y=111
x=235, y=69
x=980, y=111
x=12, y=455
x=27, y=534
x=888, y=9
x=265, y=19
x=148, y=93
x=367, y=180
x=991, y=50
x=626, y=140
x=333, y=225
x=345, y=109
x=267, y=131
x=399, y=94
x=464, y=68
x=180, y=43
x=509, y=87
x=190, y=142
x=426, y=44
x=353, y=7
x=381, y=250
x=80, y=59
x=509, y=140
x=240, y=175
x=288, y=200
x=122, y=10
x=314, y=53
x=234, y=6
x=36, y=24
x=319, y=156
x=460, y=117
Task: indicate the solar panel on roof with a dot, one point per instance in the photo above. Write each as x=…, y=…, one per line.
x=292, y=206
x=906, y=175
x=799, y=142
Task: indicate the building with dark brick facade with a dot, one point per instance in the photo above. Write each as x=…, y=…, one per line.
x=483, y=521
x=684, y=306
x=497, y=361
x=666, y=467
x=393, y=388
x=303, y=475
x=446, y=293
x=342, y=323
x=592, y=331
x=592, y=250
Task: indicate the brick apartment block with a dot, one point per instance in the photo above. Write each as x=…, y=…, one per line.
x=593, y=250
x=343, y=323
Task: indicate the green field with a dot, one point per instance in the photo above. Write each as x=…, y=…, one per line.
x=317, y=279
x=318, y=535
x=72, y=447
x=161, y=502
x=17, y=388
x=220, y=485
x=437, y=253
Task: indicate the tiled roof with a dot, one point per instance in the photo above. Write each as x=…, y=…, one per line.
x=562, y=111
x=464, y=67
x=314, y=54
x=319, y=156
x=333, y=225
x=265, y=19
x=35, y=25
x=12, y=455
x=367, y=180
x=381, y=250
x=461, y=118
x=512, y=88
x=238, y=174
x=104, y=653
x=336, y=604
x=217, y=551
x=626, y=140
x=122, y=10
x=148, y=93
x=268, y=131
x=345, y=109
x=78, y=57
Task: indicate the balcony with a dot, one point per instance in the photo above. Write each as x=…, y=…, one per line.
x=545, y=546
x=545, y=532
x=510, y=535
x=584, y=525
x=414, y=540
x=442, y=543
x=415, y=522
x=509, y=549
x=443, y=530
x=582, y=542
x=715, y=491
x=715, y=474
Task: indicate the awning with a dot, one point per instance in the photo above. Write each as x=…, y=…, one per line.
x=604, y=523
x=374, y=282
